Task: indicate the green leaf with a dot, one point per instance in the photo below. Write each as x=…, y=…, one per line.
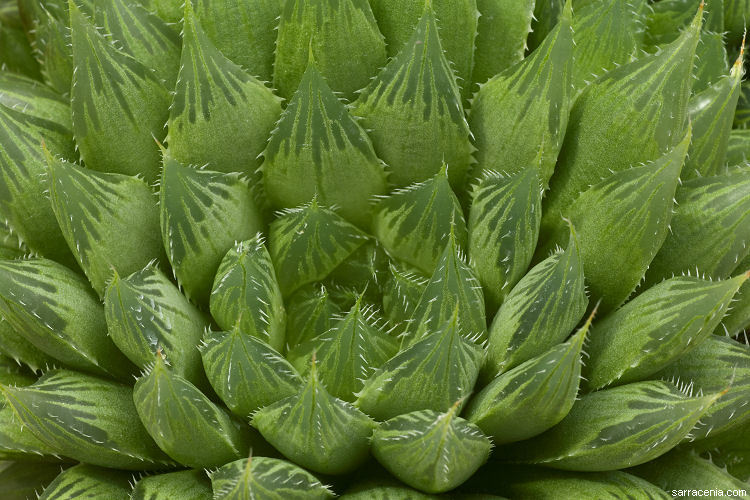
x=719, y=363
x=185, y=485
x=309, y=313
x=118, y=104
x=633, y=114
x=52, y=46
x=309, y=242
x=431, y=374
x=145, y=313
x=539, y=312
x=35, y=99
x=220, y=116
x=532, y=397
x=384, y=489
x=742, y=114
x=503, y=230
x=401, y=293
x=735, y=13
x=656, y=328
x=19, y=443
x=110, y=221
x=738, y=148
x=203, y=213
x=246, y=372
x=267, y=478
x=242, y=31
x=186, y=424
x=363, y=272
x=433, y=452
x=23, y=352
x=349, y=352
x=625, y=219
x=246, y=293
x=56, y=311
x=84, y=481
x=88, y=419
x=21, y=482
x=17, y=54
x=457, y=22
x=169, y=10
x=332, y=30
x=686, y=471
x=731, y=450
x=413, y=224
x=710, y=229
x=738, y=317
x=615, y=428
x=502, y=30
x=519, y=117
x=317, y=430
x=607, y=34
x=546, y=16
x=412, y=108
x=319, y=149
x=11, y=247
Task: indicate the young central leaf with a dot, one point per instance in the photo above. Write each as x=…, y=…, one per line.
x=413, y=224
x=413, y=111
x=318, y=149
x=309, y=314
x=220, y=116
x=203, y=213
x=519, y=117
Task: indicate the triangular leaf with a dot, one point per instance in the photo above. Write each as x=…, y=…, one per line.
x=309, y=313
x=401, y=294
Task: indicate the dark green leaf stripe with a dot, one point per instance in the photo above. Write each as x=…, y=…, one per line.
x=267, y=478
x=203, y=213
x=503, y=230
x=87, y=482
x=19, y=443
x=57, y=312
x=316, y=430
x=246, y=293
x=145, y=312
x=413, y=110
x=364, y=271
x=544, y=19
x=401, y=293
x=119, y=105
x=23, y=352
x=519, y=117
x=183, y=485
x=34, y=99
x=220, y=116
x=414, y=223
x=52, y=45
x=309, y=314
x=319, y=149
x=88, y=419
x=184, y=423
x=110, y=221
x=309, y=242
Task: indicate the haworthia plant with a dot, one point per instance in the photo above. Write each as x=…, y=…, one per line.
x=413, y=109
x=271, y=478
x=309, y=314
x=84, y=481
x=94, y=421
x=433, y=452
x=185, y=485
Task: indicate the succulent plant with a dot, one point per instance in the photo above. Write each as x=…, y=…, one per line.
x=385, y=249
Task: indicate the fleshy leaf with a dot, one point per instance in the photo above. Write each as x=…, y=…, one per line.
x=52, y=46
x=332, y=30
x=18, y=348
x=56, y=311
x=457, y=22
x=309, y=313
x=401, y=294
x=413, y=109
x=34, y=99
x=307, y=243
x=247, y=295
x=431, y=374
x=364, y=271
x=349, y=352
x=655, y=329
x=11, y=247
x=503, y=230
x=267, y=478
x=640, y=200
x=433, y=452
x=203, y=213
x=87, y=419
x=735, y=13
x=118, y=104
x=519, y=117
x=319, y=149
x=19, y=443
x=717, y=364
x=452, y=289
x=539, y=312
x=246, y=372
x=186, y=424
x=502, y=30
x=546, y=16
x=18, y=480
x=85, y=481
x=220, y=116
x=316, y=430
x=110, y=221
x=532, y=397
x=615, y=428
x=185, y=485
x=738, y=317
x=414, y=223
x=710, y=229
x=738, y=148
x=145, y=313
